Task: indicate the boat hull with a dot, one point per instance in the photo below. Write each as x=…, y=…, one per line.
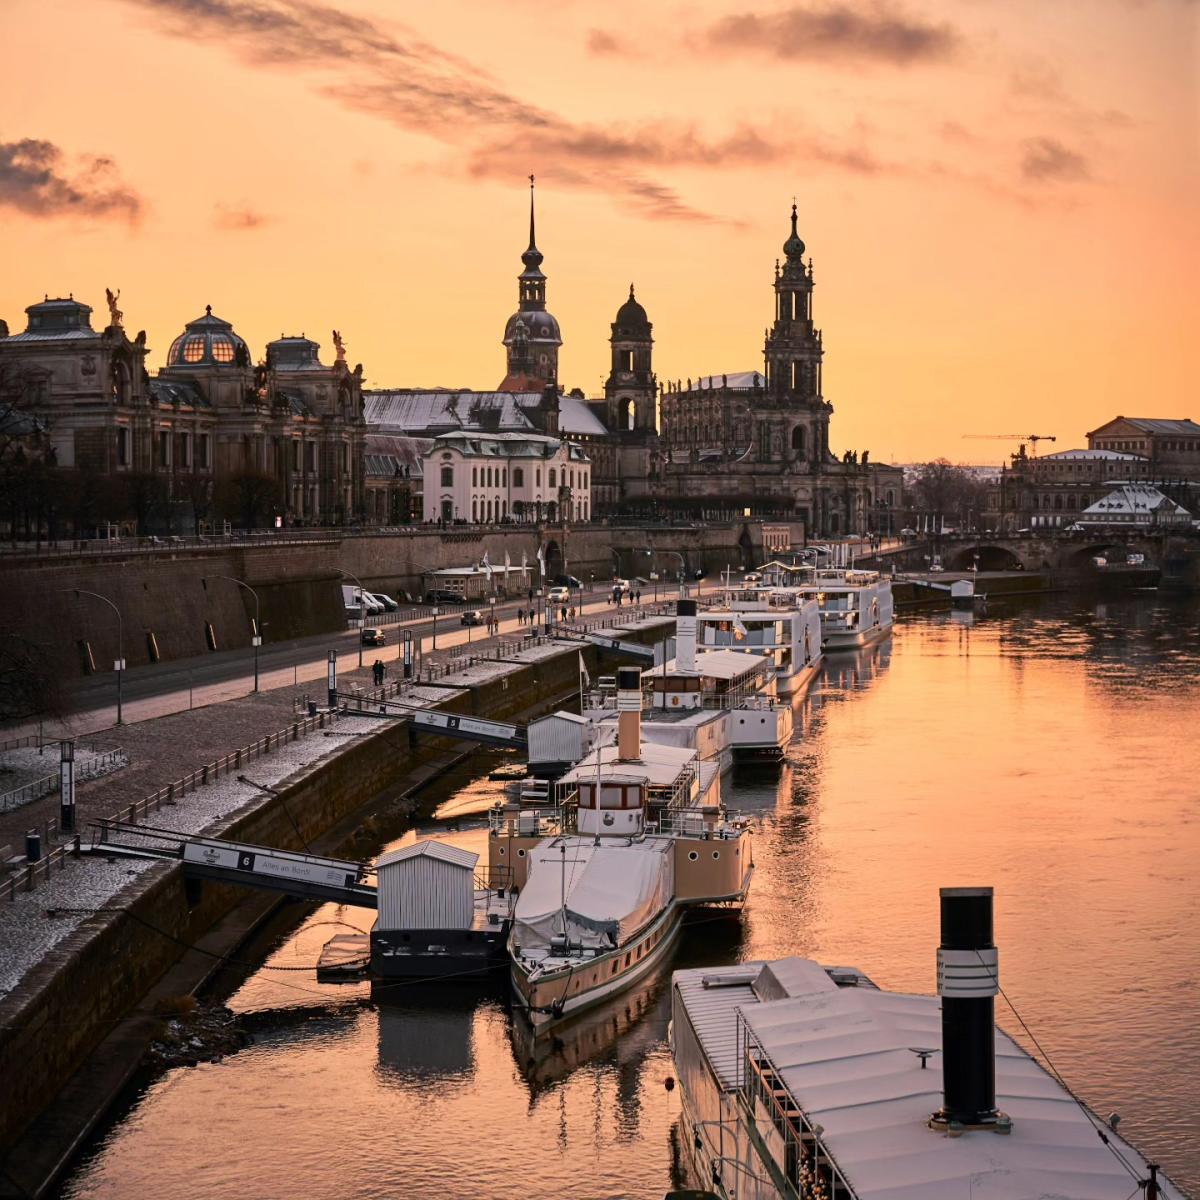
x=855, y=639
x=551, y=1000
x=450, y=955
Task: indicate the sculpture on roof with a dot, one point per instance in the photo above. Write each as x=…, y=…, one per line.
x=339, y=345
x=115, y=315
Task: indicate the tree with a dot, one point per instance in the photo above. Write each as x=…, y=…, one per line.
x=946, y=491
x=250, y=497
x=29, y=684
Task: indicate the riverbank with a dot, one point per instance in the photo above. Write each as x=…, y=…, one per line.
x=74, y=1008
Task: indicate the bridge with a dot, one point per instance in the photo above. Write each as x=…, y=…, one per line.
x=1048, y=551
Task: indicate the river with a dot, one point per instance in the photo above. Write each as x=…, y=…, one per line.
x=1048, y=748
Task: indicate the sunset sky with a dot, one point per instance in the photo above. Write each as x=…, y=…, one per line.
x=1000, y=196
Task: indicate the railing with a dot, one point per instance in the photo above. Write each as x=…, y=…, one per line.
x=26, y=878
x=88, y=768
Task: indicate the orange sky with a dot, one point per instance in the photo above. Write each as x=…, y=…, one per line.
x=999, y=196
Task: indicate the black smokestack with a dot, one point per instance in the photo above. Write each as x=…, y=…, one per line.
x=968, y=980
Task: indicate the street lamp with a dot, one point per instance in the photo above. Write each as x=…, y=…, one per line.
x=119, y=665
x=362, y=610
x=257, y=638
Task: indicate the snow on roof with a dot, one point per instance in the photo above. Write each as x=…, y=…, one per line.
x=1074, y=455
x=436, y=411
x=723, y=664
x=737, y=381
x=1185, y=427
x=429, y=849
x=659, y=766
x=1135, y=499
x=574, y=416
x=846, y=1056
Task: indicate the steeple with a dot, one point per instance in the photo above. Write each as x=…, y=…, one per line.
x=793, y=346
x=532, y=336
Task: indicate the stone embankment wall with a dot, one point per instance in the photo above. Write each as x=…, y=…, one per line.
x=91, y=980
x=164, y=593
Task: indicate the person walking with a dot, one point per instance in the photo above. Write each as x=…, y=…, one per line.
x=377, y=669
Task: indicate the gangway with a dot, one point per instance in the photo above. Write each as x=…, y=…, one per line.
x=601, y=642
x=442, y=724
x=307, y=876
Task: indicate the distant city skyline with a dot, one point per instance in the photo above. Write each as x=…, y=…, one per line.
x=998, y=199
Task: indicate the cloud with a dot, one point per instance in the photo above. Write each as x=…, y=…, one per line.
x=875, y=31
x=1047, y=160
x=600, y=42
x=389, y=73
x=239, y=218
x=35, y=178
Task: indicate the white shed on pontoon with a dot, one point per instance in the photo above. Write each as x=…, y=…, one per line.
x=428, y=885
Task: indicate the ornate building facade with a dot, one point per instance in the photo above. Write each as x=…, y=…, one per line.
x=757, y=443
x=210, y=438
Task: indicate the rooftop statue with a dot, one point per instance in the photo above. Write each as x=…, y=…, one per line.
x=340, y=346
x=115, y=315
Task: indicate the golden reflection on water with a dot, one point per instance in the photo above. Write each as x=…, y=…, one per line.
x=1047, y=750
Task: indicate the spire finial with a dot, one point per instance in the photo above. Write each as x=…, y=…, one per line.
x=532, y=243
x=631, y=291
x=208, y=310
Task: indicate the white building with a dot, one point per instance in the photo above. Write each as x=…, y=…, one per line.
x=1137, y=506
x=488, y=477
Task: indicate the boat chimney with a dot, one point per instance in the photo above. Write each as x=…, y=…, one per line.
x=629, y=714
x=968, y=979
x=685, y=635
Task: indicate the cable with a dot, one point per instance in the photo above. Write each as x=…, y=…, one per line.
x=270, y=791
x=1054, y=1071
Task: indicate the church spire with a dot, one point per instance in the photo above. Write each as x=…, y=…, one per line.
x=532, y=258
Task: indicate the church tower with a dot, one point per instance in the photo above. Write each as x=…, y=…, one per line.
x=629, y=390
x=531, y=336
x=793, y=348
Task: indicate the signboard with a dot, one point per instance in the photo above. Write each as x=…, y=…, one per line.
x=465, y=724
x=277, y=864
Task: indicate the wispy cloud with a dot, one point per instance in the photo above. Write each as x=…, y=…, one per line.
x=872, y=32
x=239, y=218
x=36, y=178
x=1047, y=160
x=389, y=73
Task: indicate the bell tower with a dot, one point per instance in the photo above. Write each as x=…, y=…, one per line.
x=629, y=390
x=793, y=349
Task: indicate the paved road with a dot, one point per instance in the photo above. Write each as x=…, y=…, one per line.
x=157, y=689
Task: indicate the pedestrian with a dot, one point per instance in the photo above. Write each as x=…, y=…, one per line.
x=377, y=669
x=563, y=610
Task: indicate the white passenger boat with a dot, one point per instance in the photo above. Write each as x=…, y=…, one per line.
x=856, y=607
x=801, y=1081
x=641, y=837
x=782, y=626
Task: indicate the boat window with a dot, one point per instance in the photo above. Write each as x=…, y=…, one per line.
x=693, y=855
x=716, y=854
x=614, y=968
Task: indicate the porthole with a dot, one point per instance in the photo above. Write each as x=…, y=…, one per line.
x=521, y=853
x=501, y=851
x=693, y=855
x=716, y=854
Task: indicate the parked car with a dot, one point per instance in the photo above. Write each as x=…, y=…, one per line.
x=558, y=595
x=388, y=603
x=440, y=597
x=472, y=616
x=373, y=637
x=371, y=604
x=752, y=577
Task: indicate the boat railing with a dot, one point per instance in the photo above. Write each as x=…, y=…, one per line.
x=531, y=822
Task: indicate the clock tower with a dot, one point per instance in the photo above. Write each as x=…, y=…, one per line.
x=629, y=390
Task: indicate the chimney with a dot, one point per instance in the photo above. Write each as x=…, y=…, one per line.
x=968, y=980
x=629, y=714
x=685, y=635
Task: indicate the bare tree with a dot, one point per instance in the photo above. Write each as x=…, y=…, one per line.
x=29, y=684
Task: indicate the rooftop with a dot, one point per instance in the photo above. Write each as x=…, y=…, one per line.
x=434, y=411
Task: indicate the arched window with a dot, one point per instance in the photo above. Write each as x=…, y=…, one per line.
x=553, y=476
x=447, y=477
x=518, y=477
x=798, y=436
x=474, y=510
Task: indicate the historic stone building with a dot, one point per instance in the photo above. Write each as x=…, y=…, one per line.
x=757, y=443
x=210, y=438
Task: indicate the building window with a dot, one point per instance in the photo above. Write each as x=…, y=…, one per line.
x=538, y=477
x=474, y=476
x=205, y=451
x=185, y=449
x=193, y=349
x=551, y=478
x=447, y=477
x=222, y=350
x=164, y=448
x=295, y=456
x=122, y=446
x=518, y=477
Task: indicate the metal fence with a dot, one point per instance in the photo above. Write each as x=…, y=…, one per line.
x=25, y=878
x=87, y=768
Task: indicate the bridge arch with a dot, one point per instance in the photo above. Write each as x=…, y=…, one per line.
x=1081, y=557
x=991, y=558
x=553, y=557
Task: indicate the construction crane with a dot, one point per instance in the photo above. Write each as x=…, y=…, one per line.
x=1031, y=438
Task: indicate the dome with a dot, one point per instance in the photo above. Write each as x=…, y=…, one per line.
x=794, y=246
x=540, y=326
x=631, y=319
x=208, y=342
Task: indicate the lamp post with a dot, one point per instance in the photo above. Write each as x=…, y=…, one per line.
x=257, y=638
x=119, y=665
x=362, y=611
x=434, y=612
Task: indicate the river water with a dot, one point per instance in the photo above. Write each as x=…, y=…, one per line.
x=1047, y=748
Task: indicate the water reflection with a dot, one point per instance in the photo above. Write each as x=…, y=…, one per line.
x=1047, y=748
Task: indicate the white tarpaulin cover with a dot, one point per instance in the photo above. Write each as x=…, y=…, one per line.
x=612, y=890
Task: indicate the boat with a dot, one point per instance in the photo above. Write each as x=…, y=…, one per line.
x=773, y=622
x=800, y=1080
x=639, y=836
